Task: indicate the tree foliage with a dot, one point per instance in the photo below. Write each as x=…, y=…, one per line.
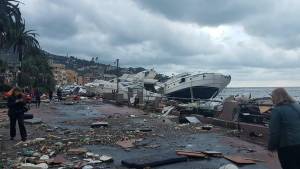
x=35, y=70
x=3, y=66
x=10, y=16
x=22, y=40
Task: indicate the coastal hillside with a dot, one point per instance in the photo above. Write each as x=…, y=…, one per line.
x=82, y=66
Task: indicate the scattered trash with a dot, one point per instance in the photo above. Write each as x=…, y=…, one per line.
x=60, y=148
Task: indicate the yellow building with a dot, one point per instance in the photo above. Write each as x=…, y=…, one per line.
x=59, y=73
x=72, y=77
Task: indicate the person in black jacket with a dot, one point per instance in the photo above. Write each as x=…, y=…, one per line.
x=16, y=108
x=285, y=129
x=37, y=95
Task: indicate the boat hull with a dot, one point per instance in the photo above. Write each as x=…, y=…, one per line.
x=200, y=86
x=199, y=92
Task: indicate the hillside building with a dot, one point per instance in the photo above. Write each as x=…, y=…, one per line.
x=59, y=73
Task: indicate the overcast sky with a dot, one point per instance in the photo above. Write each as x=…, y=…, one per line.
x=256, y=42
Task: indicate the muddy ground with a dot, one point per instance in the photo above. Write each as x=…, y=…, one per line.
x=69, y=127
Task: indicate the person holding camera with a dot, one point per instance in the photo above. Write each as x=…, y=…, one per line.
x=16, y=104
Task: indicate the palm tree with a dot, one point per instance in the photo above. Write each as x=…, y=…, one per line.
x=9, y=15
x=22, y=40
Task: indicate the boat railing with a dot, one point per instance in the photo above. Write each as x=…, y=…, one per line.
x=186, y=99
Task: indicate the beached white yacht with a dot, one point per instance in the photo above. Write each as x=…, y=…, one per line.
x=196, y=86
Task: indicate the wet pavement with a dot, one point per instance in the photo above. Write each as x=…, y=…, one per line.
x=73, y=121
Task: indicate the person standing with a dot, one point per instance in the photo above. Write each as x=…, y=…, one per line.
x=16, y=108
x=37, y=95
x=59, y=94
x=50, y=95
x=285, y=129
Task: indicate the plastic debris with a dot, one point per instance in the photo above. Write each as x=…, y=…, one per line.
x=229, y=166
x=44, y=157
x=106, y=158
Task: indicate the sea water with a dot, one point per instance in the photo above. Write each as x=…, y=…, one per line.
x=257, y=92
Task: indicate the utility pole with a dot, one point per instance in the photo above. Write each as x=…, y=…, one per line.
x=192, y=92
x=117, y=76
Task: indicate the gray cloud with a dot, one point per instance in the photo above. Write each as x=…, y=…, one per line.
x=279, y=27
x=212, y=12
x=242, y=38
x=276, y=23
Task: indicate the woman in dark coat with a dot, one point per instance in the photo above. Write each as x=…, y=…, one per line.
x=16, y=108
x=285, y=129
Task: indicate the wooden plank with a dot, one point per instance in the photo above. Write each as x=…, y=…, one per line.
x=239, y=160
x=191, y=154
x=213, y=153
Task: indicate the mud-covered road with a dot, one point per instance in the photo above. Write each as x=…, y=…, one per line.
x=68, y=126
